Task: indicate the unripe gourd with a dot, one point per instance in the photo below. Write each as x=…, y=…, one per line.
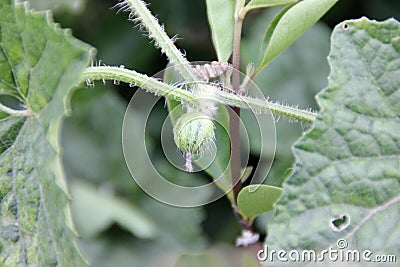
x=194, y=133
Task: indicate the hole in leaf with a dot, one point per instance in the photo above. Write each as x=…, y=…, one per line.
x=340, y=223
x=12, y=102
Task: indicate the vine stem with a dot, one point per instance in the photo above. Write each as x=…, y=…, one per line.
x=234, y=113
x=157, y=87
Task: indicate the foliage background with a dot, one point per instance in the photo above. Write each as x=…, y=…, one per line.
x=125, y=227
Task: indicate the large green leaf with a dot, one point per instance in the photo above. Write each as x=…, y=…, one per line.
x=39, y=65
x=221, y=19
x=346, y=181
x=291, y=25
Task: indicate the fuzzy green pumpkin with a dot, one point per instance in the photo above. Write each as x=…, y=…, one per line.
x=194, y=132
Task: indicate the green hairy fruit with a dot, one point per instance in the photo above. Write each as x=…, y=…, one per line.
x=194, y=132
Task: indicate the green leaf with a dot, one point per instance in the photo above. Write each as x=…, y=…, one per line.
x=272, y=26
x=267, y=3
x=254, y=200
x=292, y=25
x=39, y=65
x=346, y=181
x=95, y=211
x=221, y=19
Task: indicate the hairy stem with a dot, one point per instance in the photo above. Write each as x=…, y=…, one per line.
x=147, y=83
x=157, y=87
x=158, y=34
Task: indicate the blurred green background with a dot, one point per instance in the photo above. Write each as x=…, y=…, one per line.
x=119, y=224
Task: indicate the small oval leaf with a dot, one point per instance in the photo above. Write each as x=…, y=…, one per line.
x=254, y=200
x=272, y=26
x=292, y=25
